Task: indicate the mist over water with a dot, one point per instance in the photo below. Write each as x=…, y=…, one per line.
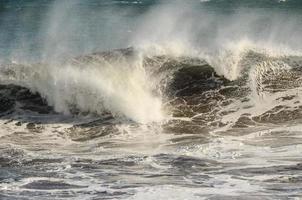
x=150, y=99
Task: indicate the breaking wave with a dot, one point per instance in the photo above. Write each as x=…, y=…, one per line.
x=150, y=99
x=194, y=57
x=131, y=84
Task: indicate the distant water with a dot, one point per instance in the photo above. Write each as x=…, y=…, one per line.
x=150, y=99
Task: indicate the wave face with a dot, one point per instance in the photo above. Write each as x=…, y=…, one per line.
x=150, y=99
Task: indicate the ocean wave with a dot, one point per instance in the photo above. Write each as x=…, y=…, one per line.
x=180, y=51
x=131, y=84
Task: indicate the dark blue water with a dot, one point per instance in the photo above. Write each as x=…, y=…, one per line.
x=87, y=26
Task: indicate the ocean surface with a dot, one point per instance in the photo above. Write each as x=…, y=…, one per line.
x=150, y=99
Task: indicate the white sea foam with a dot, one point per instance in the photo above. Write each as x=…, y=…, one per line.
x=121, y=88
